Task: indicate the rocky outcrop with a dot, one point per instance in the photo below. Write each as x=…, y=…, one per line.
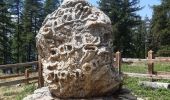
x=75, y=45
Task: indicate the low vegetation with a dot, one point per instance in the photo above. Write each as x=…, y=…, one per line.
x=146, y=93
x=16, y=92
x=143, y=68
x=19, y=92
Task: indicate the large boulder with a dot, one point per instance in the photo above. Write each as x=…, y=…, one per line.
x=75, y=46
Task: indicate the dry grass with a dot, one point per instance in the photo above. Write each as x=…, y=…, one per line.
x=9, y=93
x=16, y=92
x=143, y=68
x=17, y=78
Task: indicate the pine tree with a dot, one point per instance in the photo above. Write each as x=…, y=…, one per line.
x=141, y=38
x=124, y=18
x=50, y=6
x=161, y=26
x=5, y=33
x=16, y=11
x=32, y=19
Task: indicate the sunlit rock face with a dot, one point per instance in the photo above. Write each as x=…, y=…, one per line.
x=75, y=45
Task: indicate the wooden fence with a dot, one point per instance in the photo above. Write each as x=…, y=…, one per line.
x=152, y=74
x=150, y=61
x=26, y=74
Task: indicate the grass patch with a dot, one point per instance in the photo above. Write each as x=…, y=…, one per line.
x=10, y=93
x=28, y=89
x=162, y=67
x=16, y=92
x=143, y=68
x=134, y=68
x=146, y=93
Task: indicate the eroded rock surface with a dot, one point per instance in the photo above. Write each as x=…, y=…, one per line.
x=75, y=45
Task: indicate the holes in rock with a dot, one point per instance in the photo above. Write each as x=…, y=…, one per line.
x=94, y=64
x=65, y=17
x=53, y=52
x=90, y=48
x=87, y=68
x=86, y=9
x=50, y=76
x=65, y=47
x=106, y=37
x=55, y=23
x=46, y=29
x=77, y=74
x=97, y=13
x=60, y=42
x=98, y=61
x=69, y=47
x=58, y=73
x=82, y=77
x=78, y=38
x=62, y=74
x=56, y=78
x=62, y=49
x=51, y=68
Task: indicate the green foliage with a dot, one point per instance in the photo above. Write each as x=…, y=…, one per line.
x=146, y=93
x=124, y=19
x=138, y=68
x=31, y=22
x=5, y=33
x=50, y=6
x=16, y=93
x=142, y=67
x=160, y=29
x=28, y=89
x=164, y=51
x=140, y=38
x=16, y=10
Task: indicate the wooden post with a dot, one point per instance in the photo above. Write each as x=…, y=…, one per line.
x=26, y=76
x=150, y=62
x=40, y=69
x=118, y=61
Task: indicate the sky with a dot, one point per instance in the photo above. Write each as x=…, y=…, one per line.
x=146, y=11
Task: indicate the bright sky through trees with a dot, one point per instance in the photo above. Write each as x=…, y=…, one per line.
x=146, y=11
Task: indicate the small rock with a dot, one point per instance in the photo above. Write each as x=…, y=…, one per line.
x=18, y=85
x=40, y=94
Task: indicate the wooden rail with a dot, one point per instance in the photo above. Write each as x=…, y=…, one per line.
x=149, y=76
x=151, y=73
x=11, y=76
x=18, y=65
x=26, y=74
x=18, y=81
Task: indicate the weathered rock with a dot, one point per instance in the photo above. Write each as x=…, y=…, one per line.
x=40, y=94
x=75, y=45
